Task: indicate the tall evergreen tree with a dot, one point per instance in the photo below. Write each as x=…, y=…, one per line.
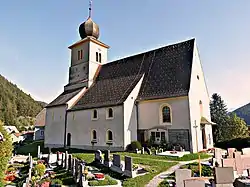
x=228, y=126
x=219, y=115
x=5, y=152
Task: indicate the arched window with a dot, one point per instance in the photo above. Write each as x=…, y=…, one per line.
x=68, y=139
x=100, y=57
x=110, y=113
x=201, y=107
x=94, y=136
x=96, y=56
x=166, y=114
x=109, y=135
x=95, y=115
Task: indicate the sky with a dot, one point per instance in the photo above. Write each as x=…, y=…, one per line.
x=35, y=35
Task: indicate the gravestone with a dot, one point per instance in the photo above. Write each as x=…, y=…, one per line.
x=194, y=183
x=73, y=167
x=238, y=162
x=57, y=158
x=62, y=159
x=66, y=160
x=181, y=175
x=224, y=175
x=246, y=151
x=230, y=152
x=229, y=162
x=98, y=157
x=142, y=150
x=70, y=162
x=31, y=162
x=128, y=166
x=218, y=156
x=81, y=175
x=136, y=150
x=38, y=151
x=76, y=169
x=116, y=166
x=148, y=150
x=245, y=161
x=106, y=158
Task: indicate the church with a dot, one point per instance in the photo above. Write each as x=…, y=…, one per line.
x=159, y=95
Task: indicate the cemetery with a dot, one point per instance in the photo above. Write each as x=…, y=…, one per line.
x=139, y=168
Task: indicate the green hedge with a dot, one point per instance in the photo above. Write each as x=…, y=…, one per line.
x=238, y=143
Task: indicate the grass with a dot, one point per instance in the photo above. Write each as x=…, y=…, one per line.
x=107, y=181
x=154, y=167
x=193, y=156
x=32, y=148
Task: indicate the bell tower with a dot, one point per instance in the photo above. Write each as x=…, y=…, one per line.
x=87, y=55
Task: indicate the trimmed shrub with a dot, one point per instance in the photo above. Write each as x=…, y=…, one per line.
x=238, y=143
x=134, y=145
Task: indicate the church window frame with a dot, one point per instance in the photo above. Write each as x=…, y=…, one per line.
x=100, y=58
x=94, y=115
x=93, y=135
x=165, y=120
x=96, y=57
x=109, y=136
x=109, y=113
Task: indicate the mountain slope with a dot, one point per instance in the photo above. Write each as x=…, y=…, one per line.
x=244, y=112
x=14, y=103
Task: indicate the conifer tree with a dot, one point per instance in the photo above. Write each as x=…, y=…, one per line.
x=5, y=151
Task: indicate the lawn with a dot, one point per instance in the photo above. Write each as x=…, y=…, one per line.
x=32, y=148
x=188, y=157
x=153, y=165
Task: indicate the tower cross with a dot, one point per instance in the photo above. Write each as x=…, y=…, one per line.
x=90, y=8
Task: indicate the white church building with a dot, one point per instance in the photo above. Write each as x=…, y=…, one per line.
x=158, y=95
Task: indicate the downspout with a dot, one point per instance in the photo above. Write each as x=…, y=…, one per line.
x=137, y=117
x=65, y=125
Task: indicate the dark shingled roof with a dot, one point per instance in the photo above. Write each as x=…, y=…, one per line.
x=166, y=71
x=63, y=98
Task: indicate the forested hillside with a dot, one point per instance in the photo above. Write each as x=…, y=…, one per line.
x=15, y=105
x=244, y=112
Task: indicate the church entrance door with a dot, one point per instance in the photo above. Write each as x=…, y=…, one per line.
x=204, y=140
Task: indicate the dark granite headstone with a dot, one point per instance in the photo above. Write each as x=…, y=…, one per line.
x=106, y=157
x=98, y=155
x=116, y=160
x=128, y=166
x=70, y=162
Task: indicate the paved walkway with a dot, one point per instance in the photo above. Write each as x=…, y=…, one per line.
x=157, y=179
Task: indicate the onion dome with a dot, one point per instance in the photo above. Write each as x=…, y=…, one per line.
x=89, y=28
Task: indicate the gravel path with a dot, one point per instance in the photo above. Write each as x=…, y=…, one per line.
x=157, y=179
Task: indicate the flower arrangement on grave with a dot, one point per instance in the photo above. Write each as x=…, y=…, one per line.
x=135, y=167
x=99, y=176
x=39, y=170
x=10, y=177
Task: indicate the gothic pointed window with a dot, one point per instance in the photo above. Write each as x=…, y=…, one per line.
x=96, y=56
x=109, y=136
x=94, y=115
x=166, y=114
x=201, y=108
x=109, y=113
x=94, y=136
x=100, y=57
